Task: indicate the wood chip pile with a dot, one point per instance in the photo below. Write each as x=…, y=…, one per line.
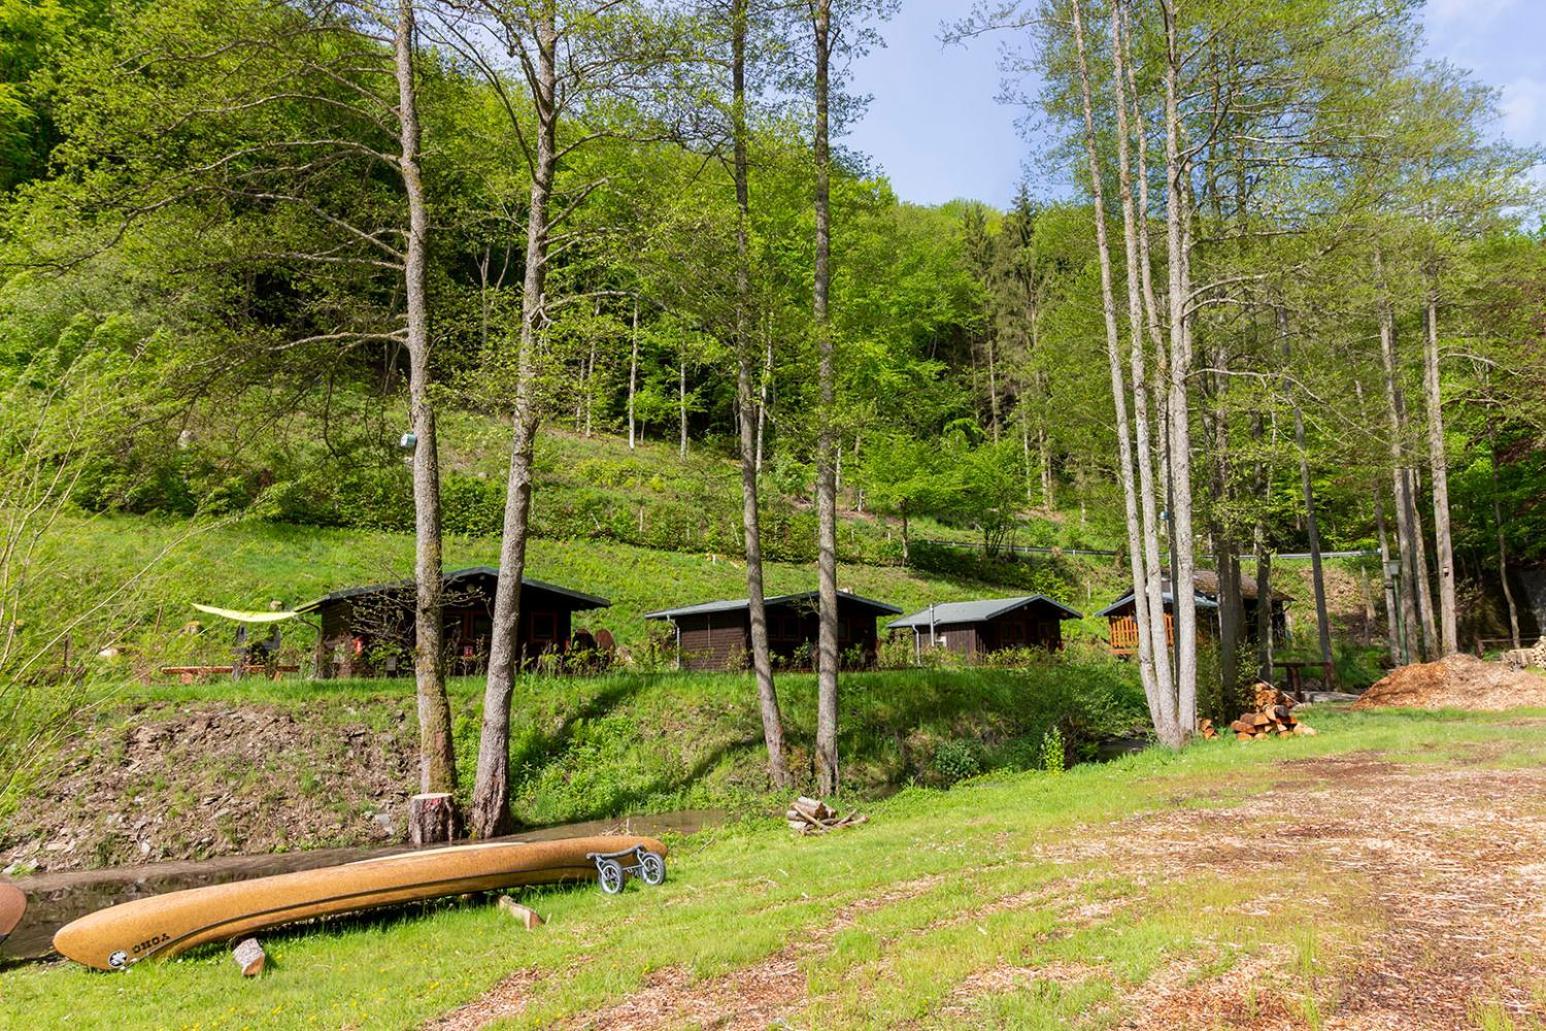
x=813, y=816
x=1272, y=717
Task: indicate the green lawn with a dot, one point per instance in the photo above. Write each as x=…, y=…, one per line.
x=1026, y=900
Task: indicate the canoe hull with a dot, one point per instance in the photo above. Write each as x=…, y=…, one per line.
x=122, y=935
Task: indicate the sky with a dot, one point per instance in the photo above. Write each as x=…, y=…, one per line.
x=934, y=128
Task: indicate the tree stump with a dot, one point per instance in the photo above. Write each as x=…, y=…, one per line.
x=248, y=955
x=431, y=818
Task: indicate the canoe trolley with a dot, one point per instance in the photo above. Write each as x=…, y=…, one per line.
x=614, y=868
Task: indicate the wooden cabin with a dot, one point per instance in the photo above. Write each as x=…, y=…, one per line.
x=1122, y=613
x=369, y=631
x=716, y=635
x=974, y=628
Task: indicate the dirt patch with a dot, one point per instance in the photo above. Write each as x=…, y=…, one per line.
x=1456, y=682
x=1442, y=863
x=192, y=781
x=503, y=1001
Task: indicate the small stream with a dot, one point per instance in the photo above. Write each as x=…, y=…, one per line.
x=55, y=899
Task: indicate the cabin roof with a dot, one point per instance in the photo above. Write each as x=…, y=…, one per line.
x=979, y=611
x=1206, y=582
x=880, y=608
x=459, y=576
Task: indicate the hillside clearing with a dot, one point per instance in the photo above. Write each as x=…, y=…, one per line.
x=1384, y=874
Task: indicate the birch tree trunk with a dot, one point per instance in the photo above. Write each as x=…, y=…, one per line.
x=681, y=402
x=1177, y=237
x=1149, y=579
x=1438, y=463
x=1307, y=491
x=826, y=482
x=491, y=794
x=437, y=760
x=1401, y=484
x=1163, y=655
x=749, y=416
x=1497, y=522
x=633, y=376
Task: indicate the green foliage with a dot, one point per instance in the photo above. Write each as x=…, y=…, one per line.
x=1054, y=751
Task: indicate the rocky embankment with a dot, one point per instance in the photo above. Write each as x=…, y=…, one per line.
x=186, y=781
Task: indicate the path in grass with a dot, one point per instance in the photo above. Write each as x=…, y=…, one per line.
x=1391, y=896
x=1386, y=874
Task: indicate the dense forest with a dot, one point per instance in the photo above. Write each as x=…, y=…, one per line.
x=257, y=256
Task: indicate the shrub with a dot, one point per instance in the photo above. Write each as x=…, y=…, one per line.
x=955, y=760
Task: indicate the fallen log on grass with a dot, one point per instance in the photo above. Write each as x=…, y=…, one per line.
x=813, y=816
x=249, y=956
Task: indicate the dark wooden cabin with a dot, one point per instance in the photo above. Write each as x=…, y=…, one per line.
x=717, y=634
x=975, y=628
x=369, y=631
x=1122, y=613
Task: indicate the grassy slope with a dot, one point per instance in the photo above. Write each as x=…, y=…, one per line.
x=207, y=764
x=931, y=865
x=245, y=564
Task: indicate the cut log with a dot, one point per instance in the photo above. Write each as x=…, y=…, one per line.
x=249, y=956
x=431, y=818
x=1242, y=726
x=528, y=917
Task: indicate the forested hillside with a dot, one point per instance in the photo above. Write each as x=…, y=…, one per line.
x=583, y=278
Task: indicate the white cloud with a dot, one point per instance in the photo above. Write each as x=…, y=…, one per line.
x=1471, y=14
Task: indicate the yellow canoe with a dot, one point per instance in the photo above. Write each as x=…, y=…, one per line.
x=164, y=925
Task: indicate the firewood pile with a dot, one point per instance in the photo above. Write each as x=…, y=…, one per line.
x=1272, y=717
x=813, y=816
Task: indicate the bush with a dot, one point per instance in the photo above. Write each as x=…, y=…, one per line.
x=956, y=760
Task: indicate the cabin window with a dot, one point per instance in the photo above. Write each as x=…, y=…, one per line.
x=544, y=626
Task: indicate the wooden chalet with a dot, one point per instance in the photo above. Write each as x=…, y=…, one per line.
x=1122, y=613
x=975, y=628
x=717, y=634
x=369, y=631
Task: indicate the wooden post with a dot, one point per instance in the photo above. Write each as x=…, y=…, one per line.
x=249, y=955
x=431, y=818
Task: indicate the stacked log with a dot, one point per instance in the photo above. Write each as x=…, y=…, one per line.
x=1272, y=717
x=813, y=816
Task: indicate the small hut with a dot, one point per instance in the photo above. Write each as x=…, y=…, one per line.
x=369, y=631
x=974, y=628
x=717, y=634
x=1122, y=613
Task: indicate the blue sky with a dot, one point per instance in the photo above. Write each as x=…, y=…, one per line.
x=935, y=129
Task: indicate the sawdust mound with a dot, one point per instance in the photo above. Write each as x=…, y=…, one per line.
x=1456, y=682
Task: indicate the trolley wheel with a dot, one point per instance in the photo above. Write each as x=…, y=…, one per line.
x=610, y=873
x=652, y=868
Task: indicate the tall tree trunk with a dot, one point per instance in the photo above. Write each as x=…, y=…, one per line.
x=1439, y=467
x=1497, y=522
x=681, y=403
x=1307, y=492
x=1392, y=614
x=993, y=415
x=1178, y=247
x=1151, y=581
x=633, y=377
x=749, y=416
x=491, y=794
x=1262, y=553
x=437, y=760
x=826, y=475
x=1405, y=532
x=764, y=390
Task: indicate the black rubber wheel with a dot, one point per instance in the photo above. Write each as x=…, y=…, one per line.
x=652, y=868
x=610, y=873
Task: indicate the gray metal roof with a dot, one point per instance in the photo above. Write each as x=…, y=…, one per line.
x=978, y=611
x=739, y=604
x=1203, y=602
x=590, y=601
